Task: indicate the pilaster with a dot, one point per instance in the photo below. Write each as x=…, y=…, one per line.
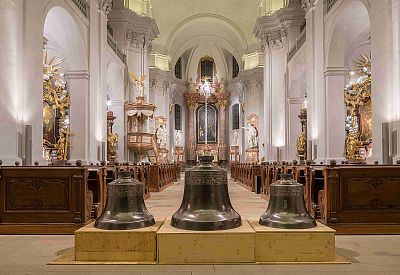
x=278, y=32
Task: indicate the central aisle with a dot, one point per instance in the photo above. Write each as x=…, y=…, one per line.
x=248, y=204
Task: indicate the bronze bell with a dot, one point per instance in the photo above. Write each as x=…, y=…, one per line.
x=286, y=207
x=125, y=208
x=206, y=205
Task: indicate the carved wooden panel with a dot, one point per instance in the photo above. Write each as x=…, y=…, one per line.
x=371, y=193
x=37, y=194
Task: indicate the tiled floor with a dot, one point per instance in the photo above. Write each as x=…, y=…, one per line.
x=368, y=254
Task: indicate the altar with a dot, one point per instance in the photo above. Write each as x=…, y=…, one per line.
x=207, y=149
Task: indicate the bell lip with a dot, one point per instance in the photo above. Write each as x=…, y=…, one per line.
x=299, y=225
x=206, y=226
x=119, y=225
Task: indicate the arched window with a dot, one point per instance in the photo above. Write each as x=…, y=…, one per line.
x=235, y=116
x=178, y=69
x=207, y=68
x=235, y=67
x=178, y=117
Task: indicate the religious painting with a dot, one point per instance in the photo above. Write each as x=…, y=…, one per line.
x=365, y=114
x=211, y=126
x=49, y=125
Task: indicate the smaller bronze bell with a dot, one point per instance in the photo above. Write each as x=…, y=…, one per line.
x=286, y=207
x=125, y=208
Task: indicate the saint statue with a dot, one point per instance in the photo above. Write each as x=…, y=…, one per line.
x=161, y=135
x=235, y=136
x=252, y=136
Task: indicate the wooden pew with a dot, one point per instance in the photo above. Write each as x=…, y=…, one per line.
x=162, y=176
x=245, y=174
x=44, y=199
x=97, y=184
x=362, y=199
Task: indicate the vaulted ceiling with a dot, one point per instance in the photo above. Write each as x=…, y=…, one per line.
x=229, y=22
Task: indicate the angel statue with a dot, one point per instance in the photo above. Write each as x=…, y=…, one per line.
x=252, y=136
x=139, y=83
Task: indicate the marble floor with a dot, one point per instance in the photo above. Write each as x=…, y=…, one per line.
x=27, y=254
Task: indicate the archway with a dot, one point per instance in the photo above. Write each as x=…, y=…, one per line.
x=348, y=38
x=63, y=39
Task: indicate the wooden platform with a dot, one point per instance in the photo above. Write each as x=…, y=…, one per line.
x=294, y=245
x=177, y=246
x=135, y=245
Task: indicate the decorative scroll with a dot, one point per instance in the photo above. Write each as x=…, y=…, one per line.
x=357, y=97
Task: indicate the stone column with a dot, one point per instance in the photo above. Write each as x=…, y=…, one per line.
x=278, y=32
x=191, y=129
x=134, y=35
x=335, y=81
x=78, y=87
x=221, y=104
x=384, y=93
x=12, y=78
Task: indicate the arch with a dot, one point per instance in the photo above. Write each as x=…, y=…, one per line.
x=206, y=18
x=351, y=20
x=63, y=30
x=220, y=30
x=201, y=50
x=65, y=38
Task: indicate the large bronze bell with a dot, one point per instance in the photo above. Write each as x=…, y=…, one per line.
x=286, y=207
x=125, y=208
x=206, y=205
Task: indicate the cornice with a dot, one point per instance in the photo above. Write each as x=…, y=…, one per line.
x=141, y=25
x=272, y=29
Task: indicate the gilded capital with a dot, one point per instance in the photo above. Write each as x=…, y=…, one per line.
x=222, y=103
x=191, y=102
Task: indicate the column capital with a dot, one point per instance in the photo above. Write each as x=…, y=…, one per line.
x=329, y=71
x=191, y=101
x=104, y=6
x=272, y=29
x=307, y=5
x=222, y=103
x=77, y=74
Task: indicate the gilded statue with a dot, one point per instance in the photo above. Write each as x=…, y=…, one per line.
x=56, y=96
x=301, y=142
x=112, y=144
x=63, y=144
x=356, y=95
x=352, y=144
